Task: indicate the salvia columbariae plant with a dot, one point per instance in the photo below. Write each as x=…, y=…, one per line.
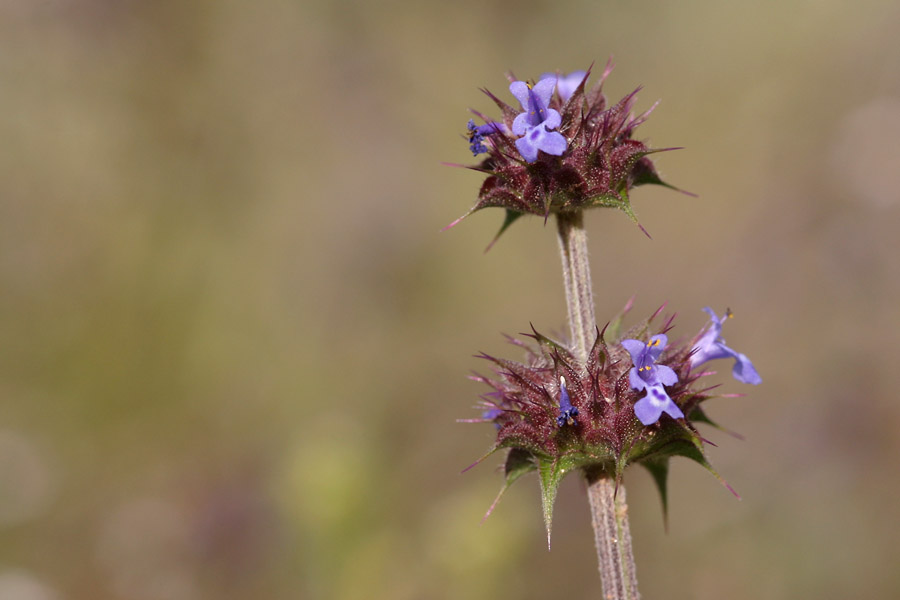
x=605, y=398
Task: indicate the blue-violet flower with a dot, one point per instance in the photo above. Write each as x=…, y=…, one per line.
x=710, y=346
x=566, y=84
x=533, y=124
x=567, y=412
x=477, y=134
x=647, y=375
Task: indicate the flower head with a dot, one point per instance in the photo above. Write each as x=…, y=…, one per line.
x=556, y=414
x=647, y=375
x=563, y=149
x=710, y=346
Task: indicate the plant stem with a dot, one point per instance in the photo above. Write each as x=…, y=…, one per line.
x=609, y=513
x=612, y=536
x=577, y=279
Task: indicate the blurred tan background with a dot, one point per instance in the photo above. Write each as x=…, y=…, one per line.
x=234, y=343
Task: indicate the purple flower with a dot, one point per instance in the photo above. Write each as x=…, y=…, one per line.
x=491, y=414
x=533, y=124
x=567, y=412
x=646, y=374
x=477, y=134
x=711, y=346
x=566, y=84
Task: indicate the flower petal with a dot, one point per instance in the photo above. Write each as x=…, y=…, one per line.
x=649, y=408
x=717, y=322
x=635, y=379
x=553, y=119
x=656, y=345
x=567, y=84
x=520, y=124
x=543, y=89
x=635, y=348
x=553, y=143
x=744, y=371
x=646, y=411
x=710, y=351
x=519, y=89
x=491, y=128
x=665, y=375
x=527, y=148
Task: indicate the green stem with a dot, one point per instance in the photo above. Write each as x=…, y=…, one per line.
x=609, y=513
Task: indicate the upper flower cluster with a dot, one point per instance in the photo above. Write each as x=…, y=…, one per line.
x=556, y=414
x=562, y=149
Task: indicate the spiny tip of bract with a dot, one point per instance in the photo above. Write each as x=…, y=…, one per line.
x=480, y=460
x=658, y=311
x=456, y=222
x=493, y=505
x=731, y=489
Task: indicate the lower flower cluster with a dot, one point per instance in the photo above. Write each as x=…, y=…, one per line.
x=634, y=400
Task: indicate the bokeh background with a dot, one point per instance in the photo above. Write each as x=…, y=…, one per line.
x=234, y=342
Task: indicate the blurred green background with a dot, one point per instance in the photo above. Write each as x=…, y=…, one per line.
x=233, y=341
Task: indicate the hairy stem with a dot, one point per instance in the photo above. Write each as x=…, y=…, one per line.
x=609, y=513
x=577, y=279
x=612, y=536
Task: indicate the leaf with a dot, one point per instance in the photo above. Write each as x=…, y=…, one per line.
x=659, y=469
x=511, y=217
x=552, y=471
x=611, y=200
x=693, y=449
x=645, y=173
x=618, y=201
x=698, y=416
x=518, y=463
